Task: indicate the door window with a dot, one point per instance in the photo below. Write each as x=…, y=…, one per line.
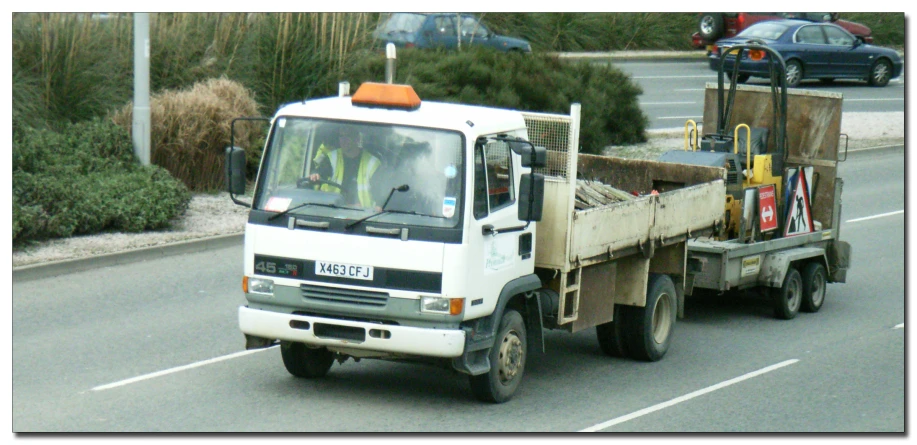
x=838, y=37
x=810, y=34
x=493, y=178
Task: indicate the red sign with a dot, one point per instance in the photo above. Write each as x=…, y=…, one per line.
x=767, y=207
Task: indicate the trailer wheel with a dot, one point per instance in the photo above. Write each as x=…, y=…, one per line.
x=649, y=329
x=305, y=362
x=611, y=335
x=814, y=281
x=788, y=297
x=507, y=362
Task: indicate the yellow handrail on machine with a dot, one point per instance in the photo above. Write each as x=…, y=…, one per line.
x=687, y=143
x=735, y=145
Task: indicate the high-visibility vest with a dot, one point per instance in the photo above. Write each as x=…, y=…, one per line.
x=368, y=166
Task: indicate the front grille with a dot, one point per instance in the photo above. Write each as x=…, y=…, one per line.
x=347, y=296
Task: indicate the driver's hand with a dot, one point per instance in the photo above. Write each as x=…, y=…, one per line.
x=315, y=177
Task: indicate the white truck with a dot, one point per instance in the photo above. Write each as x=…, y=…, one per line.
x=473, y=247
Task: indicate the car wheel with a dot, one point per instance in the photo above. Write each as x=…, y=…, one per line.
x=711, y=26
x=880, y=72
x=787, y=298
x=507, y=362
x=742, y=78
x=793, y=73
x=305, y=362
x=814, y=278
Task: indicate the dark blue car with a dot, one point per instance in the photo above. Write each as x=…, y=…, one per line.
x=811, y=51
x=443, y=30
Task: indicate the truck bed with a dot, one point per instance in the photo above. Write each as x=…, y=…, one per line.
x=689, y=203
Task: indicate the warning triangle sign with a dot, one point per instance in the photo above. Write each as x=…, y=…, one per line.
x=799, y=210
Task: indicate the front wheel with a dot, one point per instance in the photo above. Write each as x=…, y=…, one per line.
x=880, y=73
x=507, y=362
x=306, y=362
x=649, y=329
x=793, y=73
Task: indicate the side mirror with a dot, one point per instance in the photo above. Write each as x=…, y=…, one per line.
x=531, y=197
x=235, y=170
x=532, y=156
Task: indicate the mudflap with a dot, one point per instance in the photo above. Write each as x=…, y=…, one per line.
x=839, y=253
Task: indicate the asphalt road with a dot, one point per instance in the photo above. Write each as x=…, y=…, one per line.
x=673, y=91
x=154, y=346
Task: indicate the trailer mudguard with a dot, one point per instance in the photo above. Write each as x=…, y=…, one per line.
x=775, y=264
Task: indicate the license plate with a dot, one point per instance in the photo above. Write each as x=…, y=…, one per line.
x=342, y=270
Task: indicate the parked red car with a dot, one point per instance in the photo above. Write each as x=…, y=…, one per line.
x=713, y=26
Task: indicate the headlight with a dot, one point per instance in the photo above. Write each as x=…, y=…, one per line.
x=258, y=286
x=440, y=305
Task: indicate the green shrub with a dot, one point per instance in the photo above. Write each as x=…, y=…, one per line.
x=85, y=180
x=610, y=114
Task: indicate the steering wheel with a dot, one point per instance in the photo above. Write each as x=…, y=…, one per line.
x=306, y=182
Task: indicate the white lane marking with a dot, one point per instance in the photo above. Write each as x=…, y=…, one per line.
x=668, y=103
x=875, y=148
x=882, y=215
x=679, y=117
x=674, y=77
x=875, y=100
x=686, y=397
x=178, y=369
x=899, y=326
x=690, y=89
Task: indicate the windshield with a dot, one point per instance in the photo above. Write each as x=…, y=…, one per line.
x=767, y=30
x=350, y=170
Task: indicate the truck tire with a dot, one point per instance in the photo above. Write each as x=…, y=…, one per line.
x=814, y=287
x=711, y=26
x=788, y=297
x=305, y=362
x=611, y=335
x=649, y=329
x=507, y=362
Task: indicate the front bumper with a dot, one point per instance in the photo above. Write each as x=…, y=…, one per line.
x=352, y=334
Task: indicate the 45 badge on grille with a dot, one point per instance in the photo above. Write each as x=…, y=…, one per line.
x=355, y=271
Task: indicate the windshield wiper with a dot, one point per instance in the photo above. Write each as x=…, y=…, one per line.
x=400, y=188
x=400, y=212
x=319, y=204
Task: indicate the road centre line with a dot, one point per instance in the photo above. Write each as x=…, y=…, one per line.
x=875, y=100
x=687, y=397
x=177, y=369
x=706, y=76
x=899, y=326
x=881, y=215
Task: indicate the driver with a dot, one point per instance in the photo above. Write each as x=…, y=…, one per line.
x=351, y=167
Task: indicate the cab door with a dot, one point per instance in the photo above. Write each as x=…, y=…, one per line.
x=494, y=256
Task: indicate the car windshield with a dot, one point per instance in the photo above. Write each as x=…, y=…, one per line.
x=400, y=23
x=767, y=30
x=348, y=170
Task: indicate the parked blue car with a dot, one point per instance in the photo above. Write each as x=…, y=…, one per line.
x=821, y=51
x=443, y=30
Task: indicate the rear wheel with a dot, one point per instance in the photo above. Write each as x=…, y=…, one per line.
x=880, y=73
x=793, y=73
x=507, y=362
x=710, y=25
x=611, y=335
x=789, y=296
x=649, y=329
x=305, y=362
x=814, y=287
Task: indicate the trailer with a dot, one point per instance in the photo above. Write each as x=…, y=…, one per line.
x=781, y=149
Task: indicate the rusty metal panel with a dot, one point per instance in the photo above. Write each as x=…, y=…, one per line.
x=642, y=175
